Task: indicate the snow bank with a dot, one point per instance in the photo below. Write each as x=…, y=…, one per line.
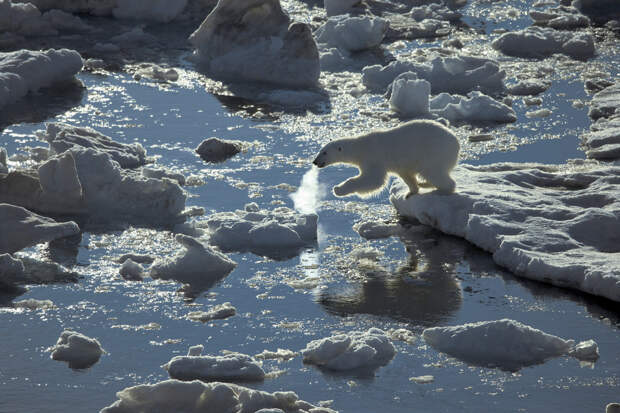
x=459, y=74
x=27, y=71
x=352, y=33
x=77, y=349
x=217, y=150
x=506, y=344
x=62, y=137
x=217, y=312
x=230, y=367
x=279, y=233
x=254, y=41
x=22, y=228
x=358, y=349
x=542, y=222
x=172, y=396
x=542, y=42
x=198, y=265
x=562, y=17
x=476, y=107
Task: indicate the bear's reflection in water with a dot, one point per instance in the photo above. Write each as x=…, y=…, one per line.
x=424, y=291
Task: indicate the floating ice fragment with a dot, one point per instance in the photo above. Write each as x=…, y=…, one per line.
x=529, y=87
x=217, y=312
x=32, y=304
x=280, y=354
x=131, y=270
x=77, y=349
x=352, y=34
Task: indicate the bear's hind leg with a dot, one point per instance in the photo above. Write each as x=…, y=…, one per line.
x=364, y=184
x=442, y=181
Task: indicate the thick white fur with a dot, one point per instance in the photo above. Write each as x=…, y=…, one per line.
x=418, y=147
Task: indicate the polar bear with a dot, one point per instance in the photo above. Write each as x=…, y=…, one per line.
x=419, y=147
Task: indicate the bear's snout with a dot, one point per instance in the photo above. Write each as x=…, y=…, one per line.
x=318, y=163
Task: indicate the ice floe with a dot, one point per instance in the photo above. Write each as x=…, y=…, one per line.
x=437, y=11
x=555, y=224
x=278, y=233
x=352, y=34
x=217, y=312
x=156, y=72
x=505, y=343
x=22, y=228
x=255, y=41
x=33, y=304
x=355, y=350
x=541, y=42
x=27, y=71
x=198, y=265
x=77, y=349
x=561, y=17
x=217, y=150
x=458, y=74
x=229, y=367
x=171, y=396
x=62, y=137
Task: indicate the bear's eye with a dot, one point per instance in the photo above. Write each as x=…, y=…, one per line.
x=324, y=152
x=340, y=148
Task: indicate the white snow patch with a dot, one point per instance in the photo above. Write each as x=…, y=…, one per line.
x=505, y=343
x=27, y=71
x=358, y=349
x=542, y=222
x=77, y=349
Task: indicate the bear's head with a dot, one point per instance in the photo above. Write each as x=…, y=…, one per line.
x=331, y=153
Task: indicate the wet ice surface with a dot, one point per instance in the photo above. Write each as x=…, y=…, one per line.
x=421, y=279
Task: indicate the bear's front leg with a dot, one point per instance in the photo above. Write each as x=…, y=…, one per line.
x=367, y=182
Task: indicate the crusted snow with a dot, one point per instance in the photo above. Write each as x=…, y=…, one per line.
x=172, y=396
x=541, y=42
x=197, y=265
x=542, y=222
x=352, y=34
x=217, y=312
x=505, y=343
x=229, y=367
x=22, y=228
x=276, y=232
x=77, y=349
x=357, y=349
x=27, y=71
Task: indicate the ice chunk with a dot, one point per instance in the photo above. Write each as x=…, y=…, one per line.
x=199, y=266
x=376, y=230
x=458, y=74
x=155, y=72
x=505, y=343
x=32, y=304
x=561, y=17
x=230, y=367
x=352, y=33
x=585, y=351
x=173, y=396
x=606, y=102
x=27, y=71
x=434, y=11
x=254, y=41
x=155, y=10
x=22, y=228
x=25, y=270
x=62, y=137
x=160, y=173
x=476, y=107
x=542, y=222
x=280, y=354
x=59, y=176
x=217, y=150
x=410, y=97
x=356, y=350
x=603, y=142
x=217, y=312
x=131, y=270
x=529, y=87
x=279, y=233
x=542, y=42
x=77, y=349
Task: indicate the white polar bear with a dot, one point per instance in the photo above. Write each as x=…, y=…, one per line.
x=421, y=147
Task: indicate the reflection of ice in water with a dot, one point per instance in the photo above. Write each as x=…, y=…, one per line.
x=307, y=197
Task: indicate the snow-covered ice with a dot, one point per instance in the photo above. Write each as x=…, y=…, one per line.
x=217, y=312
x=541, y=42
x=33, y=304
x=22, y=228
x=198, y=265
x=505, y=343
x=436, y=11
x=264, y=47
x=554, y=224
x=27, y=20
x=77, y=349
x=217, y=150
x=277, y=233
x=156, y=72
x=131, y=270
x=62, y=137
x=603, y=141
x=172, y=396
x=457, y=74
x=352, y=34
x=229, y=367
x=529, y=87
x=561, y=17
x=476, y=107
x=410, y=98
x=279, y=354
x=355, y=350
x=28, y=71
